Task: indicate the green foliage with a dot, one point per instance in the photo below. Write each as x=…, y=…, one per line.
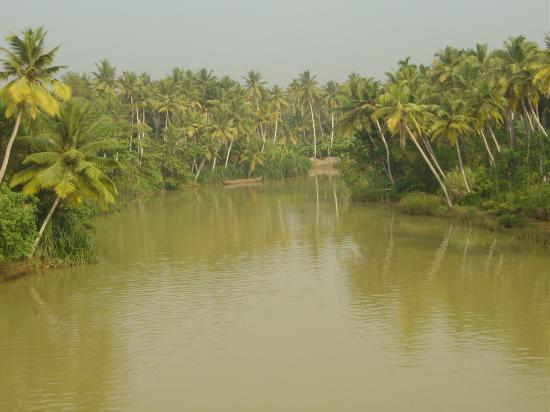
x=366, y=185
x=419, y=203
x=69, y=238
x=280, y=163
x=509, y=220
x=220, y=174
x=536, y=201
x=17, y=224
x=456, y=184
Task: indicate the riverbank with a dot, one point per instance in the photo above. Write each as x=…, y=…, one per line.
x=15, y=269
x=426, y=205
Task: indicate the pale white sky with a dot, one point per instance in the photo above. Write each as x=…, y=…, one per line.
x=280, y=38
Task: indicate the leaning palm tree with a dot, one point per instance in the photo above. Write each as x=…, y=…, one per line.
x=32, y=87
x=405, y=118
x=514, y=75
x=358, y=107
x=452, y=122
x=69, y=166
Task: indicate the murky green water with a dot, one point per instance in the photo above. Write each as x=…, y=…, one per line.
x=282, y=297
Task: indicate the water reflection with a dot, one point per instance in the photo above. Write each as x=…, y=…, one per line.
x=491, y=290
x=281, y=296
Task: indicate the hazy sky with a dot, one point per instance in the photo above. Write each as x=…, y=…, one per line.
x=279, y=38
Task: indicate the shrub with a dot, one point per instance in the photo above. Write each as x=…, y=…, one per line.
x=69, y=238
x=175, y=173
x=17, y=224
x=419, y=203
x=366, y=185
x=536, y=202
x=455, y=183
x=509, y=220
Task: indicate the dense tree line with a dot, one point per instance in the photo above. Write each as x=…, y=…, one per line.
x=471, y=127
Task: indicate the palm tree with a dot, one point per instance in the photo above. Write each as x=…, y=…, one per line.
x=331, y=102
x=252, y=158
x=254, y=86
x=444, y=66
x=69, y=167
x=168, y=100
x=541, y=69
x=359, y=106
x=309, y=93
x=128, y=83
x=452, y=122
x=104, y=78
x=486, y=105
x=401, y=115
x=32, y=87
x=514, y=75
x=278, y=102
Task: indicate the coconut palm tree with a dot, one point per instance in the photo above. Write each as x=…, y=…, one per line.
x=514, y=76
x=69, y=165
x=486, y=104
x=309, y=92
x=358, y=107
x=406, y=119
x=104, y=78
x=452, y=122
x=331, y=100
x=32, y=87
x=278, y=102
x=255, y=87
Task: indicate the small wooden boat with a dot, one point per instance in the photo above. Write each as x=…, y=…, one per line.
x=242, y=181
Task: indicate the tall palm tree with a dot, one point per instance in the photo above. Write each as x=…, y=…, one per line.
x=104, y=78
x=128, y=84
x=402, y=116
x=32, y=86
x=278, y=102
x=69, y=166
x=514, y=75
x=309, y=92
x=452, y=123
x=255, y=86
x=359, y=106
x=486, y=105
x=331, y=100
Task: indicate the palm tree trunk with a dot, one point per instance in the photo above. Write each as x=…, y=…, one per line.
x=228, y=151
x=510, y=128
x=387, y=150
x=462, y=165
x=331, y=132
x=314, y=132
x=143, y=118
x=527, y=116
x=10, y=144
x=494, y=139
x=216, y=156
x=276, y=125
x=43, y=227
x=536, y=117
x=320, y=123
x=200, y=168
x=491, y=157
x=434, y=158
x=430, y=165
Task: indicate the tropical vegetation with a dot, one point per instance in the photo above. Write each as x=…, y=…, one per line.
x=470, y=129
